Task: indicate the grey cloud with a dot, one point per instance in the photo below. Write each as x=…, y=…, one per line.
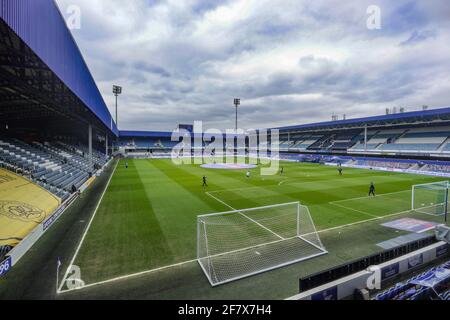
x=142, y=66
x=418, y=36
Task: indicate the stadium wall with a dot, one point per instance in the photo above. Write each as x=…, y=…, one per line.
x=411, y=171
x=345, y=287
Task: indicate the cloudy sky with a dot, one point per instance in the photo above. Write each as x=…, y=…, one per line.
x=290, y=62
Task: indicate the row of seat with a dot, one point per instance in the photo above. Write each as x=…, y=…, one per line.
x=410, y=147
x=437, y=168
x=386, y=164
x=414, y=140
x=56, y=167
x=409, y=290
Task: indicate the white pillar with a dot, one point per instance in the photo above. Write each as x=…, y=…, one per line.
x=106, y=145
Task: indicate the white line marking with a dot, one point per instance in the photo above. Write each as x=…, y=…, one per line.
x=86, y=231
x=363, y=221
x=427, y=229
x=365, y=197
x=356, y=210
x=238, y=189
x=241, y=213
x=286, y=180
x=133, y=275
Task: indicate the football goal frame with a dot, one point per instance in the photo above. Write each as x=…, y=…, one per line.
x=431, y=198
x=241, y=243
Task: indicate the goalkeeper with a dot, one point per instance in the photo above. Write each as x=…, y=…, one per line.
x=205, y=184
x=372, y=189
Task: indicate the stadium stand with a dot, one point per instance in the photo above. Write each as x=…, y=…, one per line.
x=58, y=167
x=433, y=284
x=285, y=145
x=377, y=138
x=397, y=135
x=306, y=142
x=416, y=133
x=345, y=140
x=55, y=128
x=422, y=139
x=142, y=141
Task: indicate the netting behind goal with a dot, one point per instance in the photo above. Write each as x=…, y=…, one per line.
x=430, y=198
x=241, y=243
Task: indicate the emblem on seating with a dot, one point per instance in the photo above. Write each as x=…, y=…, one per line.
x=21, y=211
x=6, y=178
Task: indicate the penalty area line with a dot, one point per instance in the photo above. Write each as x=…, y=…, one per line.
x=366, y=197
x=355, y=210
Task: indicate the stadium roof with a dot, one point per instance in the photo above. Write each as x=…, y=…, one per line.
x=158, y=134
x=145, y=134
x=41, y=27
x=441, y=114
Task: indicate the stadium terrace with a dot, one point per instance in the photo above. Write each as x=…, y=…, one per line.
x=345, y=209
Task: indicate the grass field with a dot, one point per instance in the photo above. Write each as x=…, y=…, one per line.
x=147, y=219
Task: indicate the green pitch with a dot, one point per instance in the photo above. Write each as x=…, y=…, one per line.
x=147, y=220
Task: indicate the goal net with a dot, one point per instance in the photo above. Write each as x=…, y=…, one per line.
x=430, y=198
x=240, y=243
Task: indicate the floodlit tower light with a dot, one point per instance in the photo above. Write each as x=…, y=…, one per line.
x=237, y=103
x=117, y=90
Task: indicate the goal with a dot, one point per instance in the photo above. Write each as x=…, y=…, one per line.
x=240, y=243
x=431, y=198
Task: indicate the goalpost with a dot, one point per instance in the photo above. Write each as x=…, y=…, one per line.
x=431, y=198
x=240, y=243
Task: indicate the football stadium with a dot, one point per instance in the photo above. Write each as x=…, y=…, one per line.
x=355, y=208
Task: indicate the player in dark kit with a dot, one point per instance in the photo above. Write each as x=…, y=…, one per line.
x=372, y=189
x=340, y=171
x=204, y=182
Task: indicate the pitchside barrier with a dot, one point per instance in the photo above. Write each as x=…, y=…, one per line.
x=22, y=248
x=411, y=171
x=375, y=275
